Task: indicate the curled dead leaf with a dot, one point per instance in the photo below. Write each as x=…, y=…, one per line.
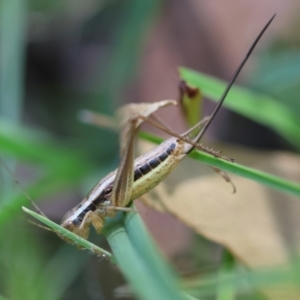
x=132, y=111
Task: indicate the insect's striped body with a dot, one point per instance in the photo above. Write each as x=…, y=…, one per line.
x=149, y=170
x=154, y=166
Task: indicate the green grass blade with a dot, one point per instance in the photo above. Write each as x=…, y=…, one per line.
x=258, y=107
x=258, y=176
x=136, y=269
x=38, y=147
x=272, y=181
x=69, y=235
x=226, y=290
x=65, y=167
x=12, y=41
x=241, y=280
x=135, y=20
x=145, y=247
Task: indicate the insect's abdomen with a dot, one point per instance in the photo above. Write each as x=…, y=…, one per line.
x=151, y=169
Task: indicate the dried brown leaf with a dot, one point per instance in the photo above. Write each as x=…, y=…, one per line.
x=132, y=111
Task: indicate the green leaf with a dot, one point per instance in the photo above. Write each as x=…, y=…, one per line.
x=261, y=177
x=70, y=236
x=143, y=278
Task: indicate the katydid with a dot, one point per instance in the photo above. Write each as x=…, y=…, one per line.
x=135, y=177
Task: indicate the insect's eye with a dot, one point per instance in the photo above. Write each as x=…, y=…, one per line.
x=108, y=191
x=69, y=225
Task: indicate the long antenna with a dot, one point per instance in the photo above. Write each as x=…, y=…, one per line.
x=229, y=85
x=21, y=187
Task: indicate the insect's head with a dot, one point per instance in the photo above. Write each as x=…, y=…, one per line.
x=75, y=226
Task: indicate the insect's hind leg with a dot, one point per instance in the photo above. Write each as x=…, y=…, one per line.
x=155, y=121
x=225, y=177
x=215, y=153
x=158, y=123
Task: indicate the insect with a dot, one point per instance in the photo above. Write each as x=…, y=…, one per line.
x=136, y=177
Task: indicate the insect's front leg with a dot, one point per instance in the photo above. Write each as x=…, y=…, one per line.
x=92, y=218
x=108, y=211
x=111, y=212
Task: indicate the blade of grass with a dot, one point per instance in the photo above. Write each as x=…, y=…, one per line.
x=12, y=54
x=272, y=181
x=226, y=290
x=258, y=107
x=144, y=281
x=258, y=176
x=135, y=20
x=66, y=167
x=37, y=146
x=69, y=235
x=12, y=41
x=145, y=247
x=137, y=271
x=240, y=279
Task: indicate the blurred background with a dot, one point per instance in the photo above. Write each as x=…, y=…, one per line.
x=58, y=57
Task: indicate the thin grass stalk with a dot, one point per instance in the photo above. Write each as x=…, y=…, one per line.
x=272, y=181
x=143, y=278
